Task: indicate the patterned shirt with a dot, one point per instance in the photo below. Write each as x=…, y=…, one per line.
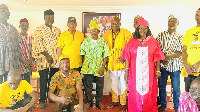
x=187, y=104
x=9, y=41
x=60, y=82
x=170, y=44
x=104, y=29
x=45, y=39
x=94, y=51
x=116, y=45
x=25, y=47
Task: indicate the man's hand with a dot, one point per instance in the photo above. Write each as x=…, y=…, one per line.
x=126, y=75
x=80, y=109
x=189, y=69
x=164, y=62
x=101, y=71
x=166, y=58
x=48, y=57
x=158, y=75
x=120, y=60
x=21, y=109
x=65, y=100
x=196, y=66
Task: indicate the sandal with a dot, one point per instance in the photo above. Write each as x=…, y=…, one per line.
x=123, y=109
x=112, y=105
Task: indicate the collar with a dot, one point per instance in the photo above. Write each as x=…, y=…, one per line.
x=66, y=76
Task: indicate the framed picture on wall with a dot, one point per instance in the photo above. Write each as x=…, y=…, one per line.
x=104, y=20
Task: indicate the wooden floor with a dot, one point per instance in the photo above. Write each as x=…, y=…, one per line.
x=106, y=100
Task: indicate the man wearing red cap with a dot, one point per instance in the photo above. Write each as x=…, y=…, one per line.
x=117, y=38
x=142, y=53
x=9, y=41
x=44, y=48
x=25, y=49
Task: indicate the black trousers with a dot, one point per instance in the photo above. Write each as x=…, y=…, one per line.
x=88, y=79
x=188, y=80
x=21, y=103
x=44, y=80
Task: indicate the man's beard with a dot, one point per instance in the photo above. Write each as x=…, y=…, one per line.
x=194, y=95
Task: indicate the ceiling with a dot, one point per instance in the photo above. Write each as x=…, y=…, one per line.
x=100, y=2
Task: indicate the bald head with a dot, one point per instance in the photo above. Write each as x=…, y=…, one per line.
x=14, y=79
x=195, y=88
x=4, y=12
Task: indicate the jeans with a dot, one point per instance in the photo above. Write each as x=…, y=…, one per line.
x=175, y=80
x=188, y=80
x=26, y=77
x=3, y=76
x=44, y=80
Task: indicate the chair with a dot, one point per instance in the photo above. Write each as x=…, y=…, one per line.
x=169, y=83
x=35, y=77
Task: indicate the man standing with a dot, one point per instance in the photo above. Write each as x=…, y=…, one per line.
x=69, y=85
x=44, y=51
x=170, y=44
x=95, y=51
x=9, y=41
x=191, y=53
x=117, y=38
x=25, y=49
x=69, y=44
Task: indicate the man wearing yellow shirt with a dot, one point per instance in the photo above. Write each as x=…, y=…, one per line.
x=117, y=38
x=191, y=52
x=69, y=44
x=12, y=92
x=44, y=47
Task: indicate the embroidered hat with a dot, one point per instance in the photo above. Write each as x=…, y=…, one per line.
x=63, y=57
x=71, y=19
x=115, y=18
x=142, y=22
x=23, y=20
x=173, y=16
x=94, y=24
x=48, y=12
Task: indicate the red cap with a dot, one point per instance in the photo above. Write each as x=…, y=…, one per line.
x=142, y=22
x=23, y=20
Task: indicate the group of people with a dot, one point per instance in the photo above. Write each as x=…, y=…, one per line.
x=138, y=61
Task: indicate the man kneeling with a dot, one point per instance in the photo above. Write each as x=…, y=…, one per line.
x=12, y=92
x=69, y=85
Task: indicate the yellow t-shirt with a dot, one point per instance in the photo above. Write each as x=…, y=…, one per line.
x=9, y=97
x=120, y=41
x=70, y=45
x=192, y=41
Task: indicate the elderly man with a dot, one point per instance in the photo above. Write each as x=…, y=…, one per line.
x=117, y=38
x=95, y=51
x=69, y=44
x=25, y=48
x=69, y=85
x=170, y=44
x=190, y=101
x=12, y=92
x=9, y=41
x=44, y=51
x=191, y=52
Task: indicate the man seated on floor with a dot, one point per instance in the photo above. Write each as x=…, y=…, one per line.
x=190, y=101
x=69, y=85
x=12, y=92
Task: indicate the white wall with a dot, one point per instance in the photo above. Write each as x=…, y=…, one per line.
x=157, y=15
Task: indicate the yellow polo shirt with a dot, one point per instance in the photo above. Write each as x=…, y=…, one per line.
x=9, y=97
x=120, y=41
x=70, y=45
